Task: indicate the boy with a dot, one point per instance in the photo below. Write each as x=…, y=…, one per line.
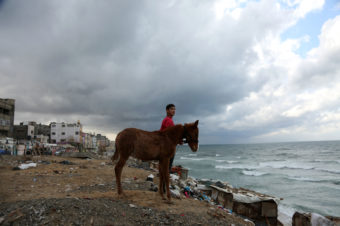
x=167, y=122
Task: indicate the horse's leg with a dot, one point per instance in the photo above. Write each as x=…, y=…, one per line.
x=161, y=179
x=164, y=164
x=118, y=171
x=166, y=177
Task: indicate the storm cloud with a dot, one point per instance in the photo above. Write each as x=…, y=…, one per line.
x=116, y=64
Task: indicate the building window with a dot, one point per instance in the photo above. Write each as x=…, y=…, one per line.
x=77, y=133
x=53, y=133
x=62, y=125
x=53, y=125
x=62, y=140
x=63, y=133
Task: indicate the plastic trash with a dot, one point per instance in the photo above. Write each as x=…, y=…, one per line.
x=26, y=166
x=150, y=177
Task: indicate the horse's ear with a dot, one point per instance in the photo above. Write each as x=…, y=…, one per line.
x=196, y=123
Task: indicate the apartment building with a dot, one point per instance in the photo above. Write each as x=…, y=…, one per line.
x=7, y=108
x=66, y=132
x=24, y=131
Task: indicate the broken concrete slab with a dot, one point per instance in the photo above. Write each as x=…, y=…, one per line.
x=258, y=207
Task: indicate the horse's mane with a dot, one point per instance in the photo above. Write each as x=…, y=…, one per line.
x=168, y=128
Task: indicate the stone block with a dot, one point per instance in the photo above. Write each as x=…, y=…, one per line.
x=251, y=210
x=301, y=219
x=269, y=209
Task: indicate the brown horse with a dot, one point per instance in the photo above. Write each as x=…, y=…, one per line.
x=157, y=145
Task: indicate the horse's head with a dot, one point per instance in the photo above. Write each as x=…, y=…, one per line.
x=191, y=135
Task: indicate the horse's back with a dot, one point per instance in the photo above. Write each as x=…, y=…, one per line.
x=141, y=144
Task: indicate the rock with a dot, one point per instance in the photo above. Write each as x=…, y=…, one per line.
x=220, y=184
x=65, y=162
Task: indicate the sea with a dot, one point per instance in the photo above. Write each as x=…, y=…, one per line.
x=305, y=174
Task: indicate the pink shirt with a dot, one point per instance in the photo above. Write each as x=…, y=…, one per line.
x=167, y=122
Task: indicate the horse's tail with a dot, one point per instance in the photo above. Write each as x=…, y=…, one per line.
x=115, y=157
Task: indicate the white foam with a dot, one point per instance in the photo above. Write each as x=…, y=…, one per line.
x=285, y=214
x=235, y=167
x=193, y=159
x=253, y=173
x=329, y=171
x=227, y=161
x=304, y=179
x=285, y=164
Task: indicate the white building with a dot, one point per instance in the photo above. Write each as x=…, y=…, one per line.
x=65, y=132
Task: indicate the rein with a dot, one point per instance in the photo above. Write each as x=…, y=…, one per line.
x=188, y=137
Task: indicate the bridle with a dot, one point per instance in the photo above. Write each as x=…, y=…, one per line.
x=188, y=137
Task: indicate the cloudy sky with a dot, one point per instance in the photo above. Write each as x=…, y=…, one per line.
x=250, y=71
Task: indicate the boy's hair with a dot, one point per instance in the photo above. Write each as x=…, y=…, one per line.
x=169, y=106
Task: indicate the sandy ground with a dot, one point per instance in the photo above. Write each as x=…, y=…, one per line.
x=91, y=183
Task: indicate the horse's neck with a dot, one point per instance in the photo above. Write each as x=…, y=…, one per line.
x=175, y=133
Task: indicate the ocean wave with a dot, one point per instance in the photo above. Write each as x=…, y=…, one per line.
x=253, y=173
x=329, y=171
x=227, y=161
x=285, y=165
x=193, y=159
x=325, y=161
x=305, y=179
x=308, y=179
x=192, y=155
x=235, y=167
x=283, y=149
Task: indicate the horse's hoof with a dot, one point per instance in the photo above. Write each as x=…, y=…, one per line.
x=122, y=195
x=170, y=202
